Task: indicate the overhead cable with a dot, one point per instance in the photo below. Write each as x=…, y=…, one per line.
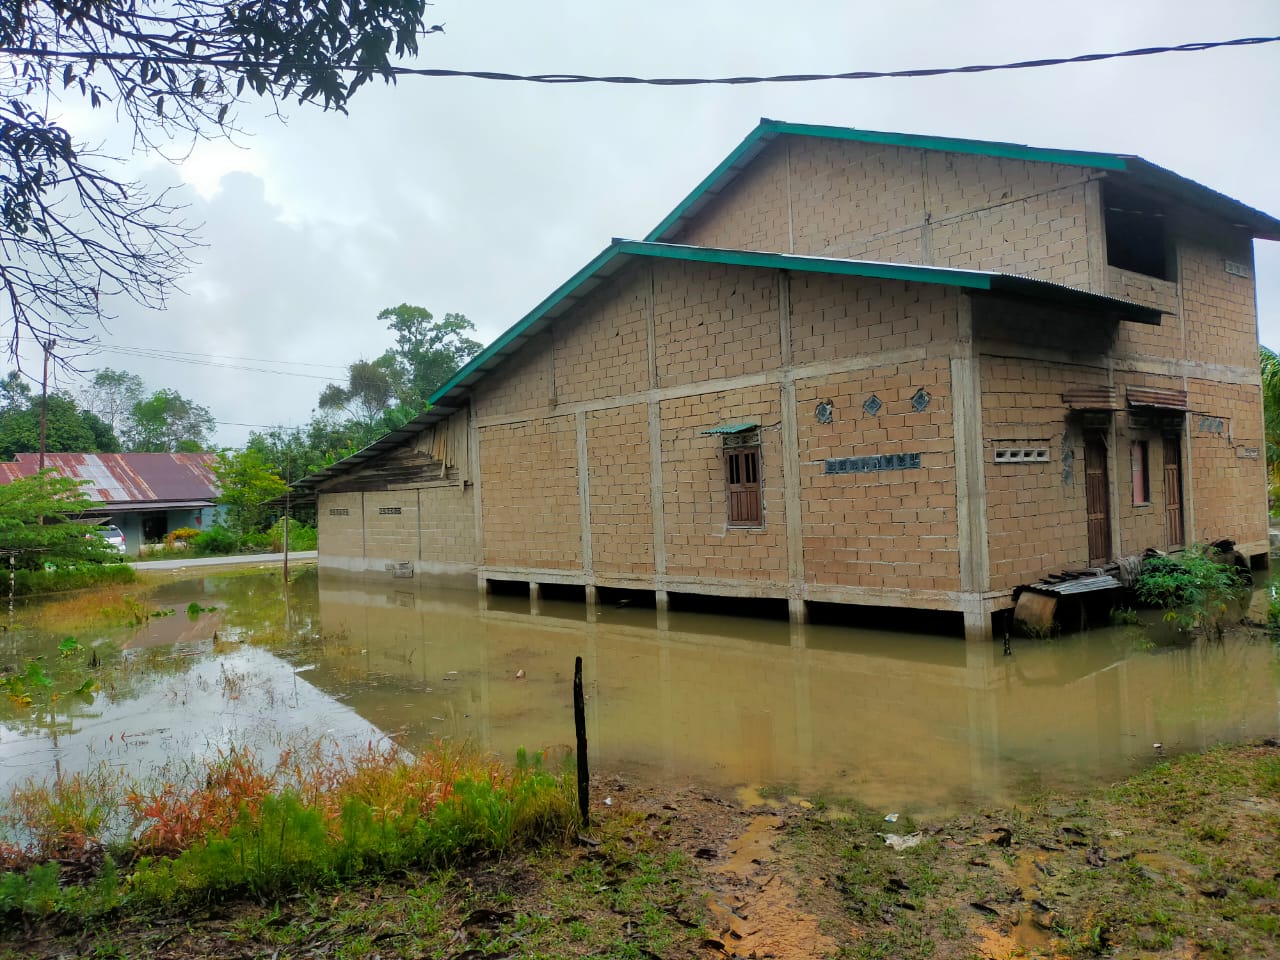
x=394, y=71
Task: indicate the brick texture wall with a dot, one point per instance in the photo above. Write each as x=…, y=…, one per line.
x=891, y=528
x=1229, y=489
x=621, y=494
x=602, y=349
x=340, y=534
x=699, y=540
x=834, y=317
x=874, y=202
x=713, y=321
x=529, y=484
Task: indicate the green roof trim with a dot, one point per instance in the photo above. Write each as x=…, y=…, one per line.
x=769, y=130
x=603, y=265
x=1261, y=224
x=731, y=428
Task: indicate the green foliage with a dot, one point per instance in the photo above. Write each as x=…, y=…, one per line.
x=1270, y=368
x=167, y=422
x=217, y=541
x=247, y=485
x=35, y=522
x=1196, y=588
x=68, y=429
x=72, y=576
x=301, y=536
x=1124, y=617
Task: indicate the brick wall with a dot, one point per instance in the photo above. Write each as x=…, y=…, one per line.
x=1219, y=307
x=602, y=348
x=448, y=526
x=1230, y=490
x=834, y=317
x=891, y=528
x=874, y=202
x=529, y=483
x=713, y=321
x=621, y=491
x=699, y=540
x=525, y=382
x=1036, y=520
x=340, y=530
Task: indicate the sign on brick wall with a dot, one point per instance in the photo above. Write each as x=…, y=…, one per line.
x=873, y=464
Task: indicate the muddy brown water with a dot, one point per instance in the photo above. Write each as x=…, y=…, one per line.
x=905, y=722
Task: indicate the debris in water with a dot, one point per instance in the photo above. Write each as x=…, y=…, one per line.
x=519, y=674
x=608, y=801
x=891, y=818
x=899, y=842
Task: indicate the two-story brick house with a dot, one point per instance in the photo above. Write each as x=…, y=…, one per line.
x=854, y=368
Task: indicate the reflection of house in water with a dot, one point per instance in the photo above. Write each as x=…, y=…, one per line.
x=901, y=717
x=853, y=368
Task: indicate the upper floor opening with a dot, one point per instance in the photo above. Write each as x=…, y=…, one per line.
x=1138, y=232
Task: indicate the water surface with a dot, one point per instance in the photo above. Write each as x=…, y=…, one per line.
x=903, y=721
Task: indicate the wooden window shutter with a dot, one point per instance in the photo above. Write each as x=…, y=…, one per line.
x=1141, y=475
x=742, y=466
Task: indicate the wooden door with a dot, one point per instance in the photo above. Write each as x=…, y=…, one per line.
x=1173, y=491
x=1097, y=497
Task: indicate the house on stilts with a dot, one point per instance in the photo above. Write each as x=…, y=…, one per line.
x=851, y=367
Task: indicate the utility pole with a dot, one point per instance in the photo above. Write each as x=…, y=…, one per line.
x=44, y=396
x=287, y=471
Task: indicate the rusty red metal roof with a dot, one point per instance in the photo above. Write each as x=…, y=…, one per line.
x=161, y=479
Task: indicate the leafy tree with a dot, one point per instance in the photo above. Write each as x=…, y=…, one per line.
x=75, y=234
x=390, y=390
x=14, y=391
x=112, y=396
x=247, y=484
x=68, y=429
x=167, y=422
x=430, y=352
x=371, y=387
x=1270, y=364
x=35, y=522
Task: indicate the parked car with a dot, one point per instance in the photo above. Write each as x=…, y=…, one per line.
x=110, y=533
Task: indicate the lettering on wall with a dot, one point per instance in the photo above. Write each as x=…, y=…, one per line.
x=391, y=511
x=1206, y=424
x=873, y=464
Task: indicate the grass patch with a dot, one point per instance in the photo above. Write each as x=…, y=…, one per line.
x=240, y=829
x=80, y=576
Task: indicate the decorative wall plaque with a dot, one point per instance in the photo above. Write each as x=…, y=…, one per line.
x=920, y=402
x=874, y=464
x=872, y=404
x=825, y=411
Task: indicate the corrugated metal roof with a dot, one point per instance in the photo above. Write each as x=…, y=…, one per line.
x=1079, y=585
x=732, y=428
x=1262, y=225
x=140, y=479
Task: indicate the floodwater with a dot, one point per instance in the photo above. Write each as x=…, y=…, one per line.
x=906, y=722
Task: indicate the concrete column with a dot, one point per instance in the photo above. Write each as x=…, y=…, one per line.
x=591, y=597
x=792, y=505
x=584, y=494
x=535, y=599
x=971, y=485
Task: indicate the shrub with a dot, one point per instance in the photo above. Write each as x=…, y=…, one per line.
x=70, y=577
x=216, y=541
x=1196, y=588
x=185, y=534
x=301, y=536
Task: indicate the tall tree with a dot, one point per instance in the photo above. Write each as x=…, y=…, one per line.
x=69, y=429
x=430, y=351
x=75, y=234
x=112, y=395
x=167, y=422
x=1269, y=362
x=14, y=391
x=246, y=484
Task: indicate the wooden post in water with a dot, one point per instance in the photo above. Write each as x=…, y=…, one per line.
x=580, y=727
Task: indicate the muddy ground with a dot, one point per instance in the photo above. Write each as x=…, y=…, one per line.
x=1179, y=861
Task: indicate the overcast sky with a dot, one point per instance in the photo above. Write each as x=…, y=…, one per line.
x=480, y=197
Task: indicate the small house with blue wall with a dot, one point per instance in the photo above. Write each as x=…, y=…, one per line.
x=146, y=495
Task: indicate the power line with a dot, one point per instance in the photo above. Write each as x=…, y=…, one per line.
x=214, y=356
x=142, y=353
x=227, y=63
